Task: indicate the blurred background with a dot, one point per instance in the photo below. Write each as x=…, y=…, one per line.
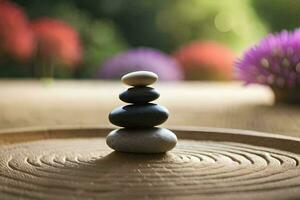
x=103, y=39
x=81, y=43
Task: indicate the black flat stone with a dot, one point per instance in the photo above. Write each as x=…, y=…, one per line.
x=135, y=116
x=139, y=95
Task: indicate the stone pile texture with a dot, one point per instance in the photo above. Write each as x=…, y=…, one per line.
x=140, y=118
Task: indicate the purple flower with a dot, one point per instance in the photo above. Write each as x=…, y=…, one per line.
x=275, y=61
x=145, y=59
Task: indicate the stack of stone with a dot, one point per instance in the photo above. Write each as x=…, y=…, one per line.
x=139, y=118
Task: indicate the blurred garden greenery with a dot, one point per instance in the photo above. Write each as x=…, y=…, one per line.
x=109, y=27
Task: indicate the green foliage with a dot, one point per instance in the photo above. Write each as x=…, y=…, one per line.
x=279, y=14
x=12, y=69
x=100, y=38
x=170, y=23
x=135, y=19
x=233, y=22
x=107, y=27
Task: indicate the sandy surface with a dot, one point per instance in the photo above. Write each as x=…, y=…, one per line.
x=87, y=103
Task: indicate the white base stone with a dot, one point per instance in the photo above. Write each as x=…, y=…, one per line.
x=149, y=140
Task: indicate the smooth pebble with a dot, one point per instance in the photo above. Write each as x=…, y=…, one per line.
x=139, y=78
x=151, y=140
x=139, y=95
x=144, y=115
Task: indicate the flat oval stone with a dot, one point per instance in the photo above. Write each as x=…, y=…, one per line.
x=145, y=115
x=151, y=140
x=139, y=78
x=139, y=95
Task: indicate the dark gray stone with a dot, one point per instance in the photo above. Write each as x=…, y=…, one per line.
x=151, y=140
x=139, y=95
x=145, y=115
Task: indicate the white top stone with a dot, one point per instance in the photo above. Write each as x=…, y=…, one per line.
x=139, y=78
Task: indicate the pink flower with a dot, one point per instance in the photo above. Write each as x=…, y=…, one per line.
x=147, y=59
x=206, y=60
x=16, y=37
x=57, y=42
x=274, y=61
